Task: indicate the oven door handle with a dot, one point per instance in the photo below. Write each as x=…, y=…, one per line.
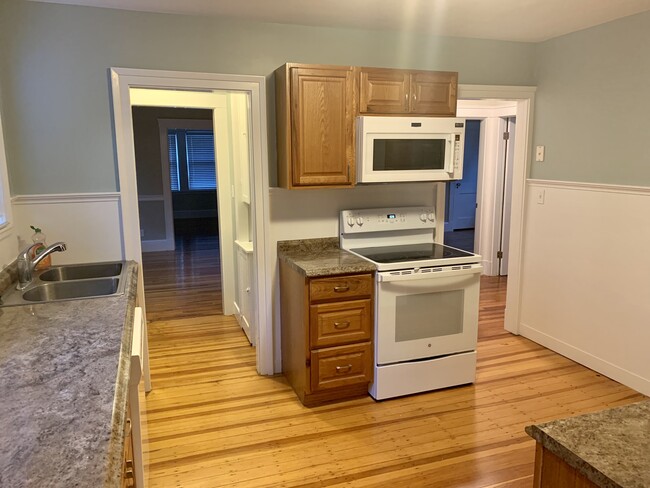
x=446, y=272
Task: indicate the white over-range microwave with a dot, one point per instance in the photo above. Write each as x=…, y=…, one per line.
x=393, y=149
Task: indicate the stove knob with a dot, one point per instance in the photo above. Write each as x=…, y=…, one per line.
x=431, y=217
x=350, y=221
x=360, y=220
x=423, y=217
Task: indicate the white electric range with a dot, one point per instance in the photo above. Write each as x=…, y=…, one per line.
x=426, y=300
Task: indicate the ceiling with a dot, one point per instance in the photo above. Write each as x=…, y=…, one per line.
x=513, y=20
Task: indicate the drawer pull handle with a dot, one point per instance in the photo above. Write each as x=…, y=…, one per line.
x=343, y=369
x=341, y=325
x=341, y=289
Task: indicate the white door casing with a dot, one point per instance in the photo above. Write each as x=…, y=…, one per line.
x=123, y=80
x=524, y=98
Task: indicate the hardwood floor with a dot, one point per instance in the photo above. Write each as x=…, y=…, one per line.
x=211, y=421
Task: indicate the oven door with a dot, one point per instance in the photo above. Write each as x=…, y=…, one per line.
x=427, y=313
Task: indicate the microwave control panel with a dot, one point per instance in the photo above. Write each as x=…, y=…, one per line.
x=458, y=152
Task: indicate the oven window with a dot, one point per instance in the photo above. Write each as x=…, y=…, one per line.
x=408, y=154
x=428, y=315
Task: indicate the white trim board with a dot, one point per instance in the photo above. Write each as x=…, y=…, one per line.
x=55, y=198
x=587, y=359
x=585, y=186
x=122, y=81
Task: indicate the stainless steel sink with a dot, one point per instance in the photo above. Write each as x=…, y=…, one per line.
x=70, y=282
x=65, y=290
x=81, y=271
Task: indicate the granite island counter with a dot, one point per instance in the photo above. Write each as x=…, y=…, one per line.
x=65, y=375
x=607, y=449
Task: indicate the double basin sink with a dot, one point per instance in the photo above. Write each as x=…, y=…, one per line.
x=70, y=282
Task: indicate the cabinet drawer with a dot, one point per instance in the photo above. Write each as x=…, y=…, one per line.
x=335, y=367
x=338, y=323
x=340, y=287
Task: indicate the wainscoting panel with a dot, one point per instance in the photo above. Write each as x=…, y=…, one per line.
x=89, y=223
x=586, y=276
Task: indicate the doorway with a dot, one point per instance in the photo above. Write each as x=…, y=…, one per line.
x=477, y=216
x=135, y=87
x=177, y=203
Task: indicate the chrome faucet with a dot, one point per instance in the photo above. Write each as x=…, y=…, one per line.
x=26, y=264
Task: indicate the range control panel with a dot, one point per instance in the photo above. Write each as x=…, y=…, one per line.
x=387, y=219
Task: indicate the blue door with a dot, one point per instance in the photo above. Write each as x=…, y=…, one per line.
x=461, y=194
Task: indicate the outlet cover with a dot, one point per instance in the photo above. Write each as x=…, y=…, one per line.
x=539, y=153
x=540, y=197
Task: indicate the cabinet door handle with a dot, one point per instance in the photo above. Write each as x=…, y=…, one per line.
x=343, y=369
x=341, y=289
x=341, y=325
x=127, y=431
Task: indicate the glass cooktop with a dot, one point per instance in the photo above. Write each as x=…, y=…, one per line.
x=410, y=252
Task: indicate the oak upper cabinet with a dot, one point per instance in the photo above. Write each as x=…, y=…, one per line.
x=384, y=91
x=315, y=111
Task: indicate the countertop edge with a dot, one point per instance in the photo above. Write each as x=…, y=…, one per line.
x=572, y=459
x=116, y=444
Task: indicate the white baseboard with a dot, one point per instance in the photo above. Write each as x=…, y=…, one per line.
x=586, y=359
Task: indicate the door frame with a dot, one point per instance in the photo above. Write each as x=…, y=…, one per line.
x=122, y=80
x=524, y=96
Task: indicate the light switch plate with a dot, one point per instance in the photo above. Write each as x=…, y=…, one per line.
x=540, y=197
x=539, y=153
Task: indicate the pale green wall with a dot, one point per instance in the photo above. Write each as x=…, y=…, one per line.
x=54, y=61
x=592, y=104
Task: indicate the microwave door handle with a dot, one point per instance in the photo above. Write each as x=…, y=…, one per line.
x=449, y=160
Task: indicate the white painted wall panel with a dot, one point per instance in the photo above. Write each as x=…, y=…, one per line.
x=585, y=289
x=88, y=223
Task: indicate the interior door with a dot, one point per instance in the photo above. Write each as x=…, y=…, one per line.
x=462, y=193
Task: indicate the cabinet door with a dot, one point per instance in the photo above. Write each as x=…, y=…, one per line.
x=322, y=132
x=383, y=91
x=434, y=93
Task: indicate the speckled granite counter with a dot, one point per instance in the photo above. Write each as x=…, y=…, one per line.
x=64, y=370
x=321, y=257
x=611, y=448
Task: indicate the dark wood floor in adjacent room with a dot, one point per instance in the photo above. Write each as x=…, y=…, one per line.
x=211, y=421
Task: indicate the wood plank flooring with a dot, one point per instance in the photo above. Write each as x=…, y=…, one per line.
x=211, y=421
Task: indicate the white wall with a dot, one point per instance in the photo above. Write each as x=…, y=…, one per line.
x=306, y=214
x=88, y=223
x=585, y=283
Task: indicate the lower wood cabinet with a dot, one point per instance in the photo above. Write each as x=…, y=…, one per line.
x=128, y=464
x=327, y=334
x=553, y=472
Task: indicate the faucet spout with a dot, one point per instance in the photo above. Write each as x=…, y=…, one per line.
x=26, y=265
x=56, y=247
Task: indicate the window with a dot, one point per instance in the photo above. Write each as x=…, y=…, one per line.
x=5, y=206
x=191, y=160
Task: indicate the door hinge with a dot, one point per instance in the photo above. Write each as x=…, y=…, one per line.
x=499, y=254
x=506, y=136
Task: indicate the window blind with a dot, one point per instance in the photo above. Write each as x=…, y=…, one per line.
x=173, y=160
x=201, y=168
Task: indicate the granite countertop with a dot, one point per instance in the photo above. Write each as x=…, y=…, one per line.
x=611, y=448
x=64, y=369
x=321, y=257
